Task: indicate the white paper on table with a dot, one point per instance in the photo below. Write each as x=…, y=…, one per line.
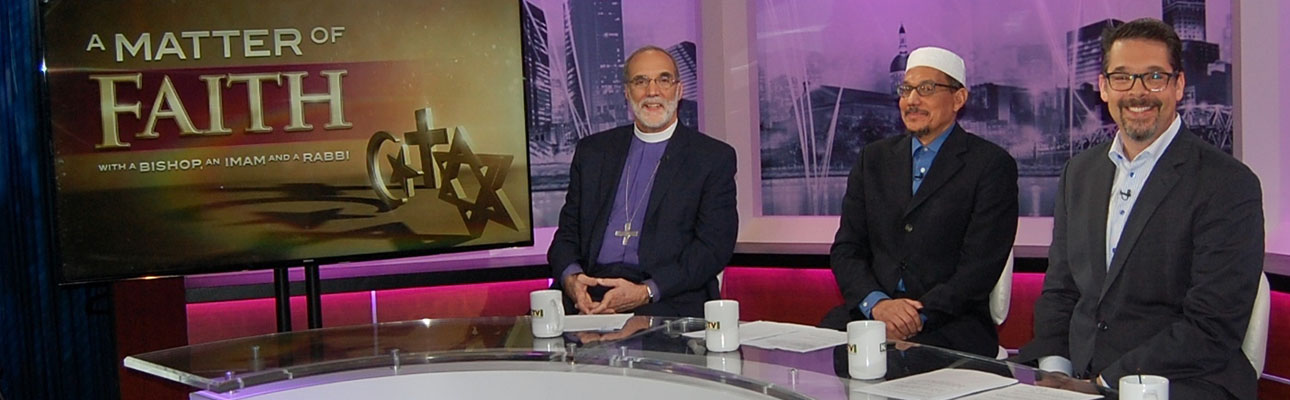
x=801, y=340
x=941, y=384
x=1027, y=392
x=785, y=336
x=749, y=331
x=598, y=322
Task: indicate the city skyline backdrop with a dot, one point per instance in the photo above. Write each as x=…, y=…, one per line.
x=574, y=56
x=1032, y=69
x=826, y=74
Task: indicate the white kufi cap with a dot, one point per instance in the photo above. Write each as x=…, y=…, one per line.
x=940, y=59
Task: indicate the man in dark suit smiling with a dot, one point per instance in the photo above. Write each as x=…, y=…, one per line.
x=649, y=220
x=928, y=219
x=1157, y=240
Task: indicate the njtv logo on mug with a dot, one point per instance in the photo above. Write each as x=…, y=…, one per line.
x=721, y=319
x=547, y=313
x=854, y=348
x=866, y=349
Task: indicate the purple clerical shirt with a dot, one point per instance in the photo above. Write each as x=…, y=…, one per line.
x=643, y=158
x=642, y=163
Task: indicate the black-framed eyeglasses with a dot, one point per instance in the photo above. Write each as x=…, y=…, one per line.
x=1154, y=81
x=924, y=89
x=664, y=82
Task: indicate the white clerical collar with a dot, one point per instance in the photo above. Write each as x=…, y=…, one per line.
x=656, y=137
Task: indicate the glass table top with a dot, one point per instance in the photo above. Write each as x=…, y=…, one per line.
x=646, y=346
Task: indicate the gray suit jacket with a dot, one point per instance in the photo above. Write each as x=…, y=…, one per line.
x=1176, y=299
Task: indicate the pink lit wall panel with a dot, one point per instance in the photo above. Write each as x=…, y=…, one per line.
x=1278, y=356
x=239, y=318
x=1018, y=329
x=489, y=299
x=796, y=295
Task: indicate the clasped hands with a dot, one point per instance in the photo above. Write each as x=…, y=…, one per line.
x=623, y=295
x=901, y=317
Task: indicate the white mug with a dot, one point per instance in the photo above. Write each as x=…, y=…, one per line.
x=547, y=309
x=728, y=361
x=722, y=327
x=1144, y=387
x=866, y=351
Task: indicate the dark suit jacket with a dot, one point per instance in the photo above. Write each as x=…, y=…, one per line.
x=1177, y=297
x=949, y=242
x=690, y=223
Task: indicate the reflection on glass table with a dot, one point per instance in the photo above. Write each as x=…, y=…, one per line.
x=498, y=357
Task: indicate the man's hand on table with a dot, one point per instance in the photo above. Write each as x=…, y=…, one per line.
x=901, y=317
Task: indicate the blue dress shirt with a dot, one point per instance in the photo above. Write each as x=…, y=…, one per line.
x=923, y=156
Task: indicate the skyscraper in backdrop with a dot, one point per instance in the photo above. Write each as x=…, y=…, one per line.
x=537, y=69
x=594, y=64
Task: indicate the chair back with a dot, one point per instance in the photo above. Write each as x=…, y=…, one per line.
x=1001, y=295
x=1255, y=345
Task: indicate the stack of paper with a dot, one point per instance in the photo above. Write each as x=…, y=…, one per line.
x=966, y=384
x=1027, y=392
x=941, y=384
x=785, y=336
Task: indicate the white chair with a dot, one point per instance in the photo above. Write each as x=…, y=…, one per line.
x=1001, y=300
x=1255, y=345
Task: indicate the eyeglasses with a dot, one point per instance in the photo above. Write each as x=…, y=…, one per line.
x=1153, y=81
x=924, y=89
x=664, y=82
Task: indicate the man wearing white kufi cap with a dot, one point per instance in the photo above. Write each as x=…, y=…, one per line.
x=928, y=219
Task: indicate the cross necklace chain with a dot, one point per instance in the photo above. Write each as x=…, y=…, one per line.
x=627, y=233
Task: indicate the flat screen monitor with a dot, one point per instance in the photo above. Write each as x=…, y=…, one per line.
x=193, y=137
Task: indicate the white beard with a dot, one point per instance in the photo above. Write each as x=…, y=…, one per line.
x=655, y=120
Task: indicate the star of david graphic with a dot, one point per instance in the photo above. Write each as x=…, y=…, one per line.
x=488, y=171
x=470, y=182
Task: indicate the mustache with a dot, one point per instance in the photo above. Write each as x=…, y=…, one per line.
x=654, y=100
x=914, y=110
x=1141, y=102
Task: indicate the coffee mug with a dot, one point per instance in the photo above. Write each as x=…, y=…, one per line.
x=1144, y=387
x=866, y=351
x=547, y=310
x=722, y=327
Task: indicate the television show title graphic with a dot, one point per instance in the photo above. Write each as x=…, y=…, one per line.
x=169, y=102
x=246, y=134
x=251, y=42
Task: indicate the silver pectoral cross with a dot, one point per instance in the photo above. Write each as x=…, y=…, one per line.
x=627, y=232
